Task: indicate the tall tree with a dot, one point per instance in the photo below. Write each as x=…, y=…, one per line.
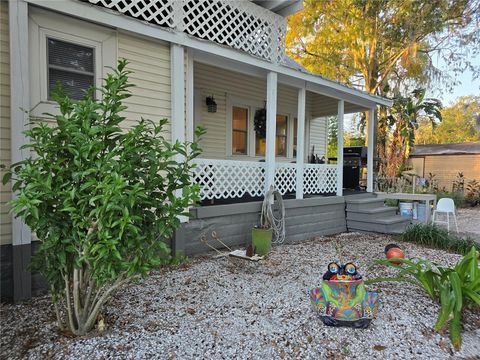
x=369, y=43
x=404, y=118
x=461, y=122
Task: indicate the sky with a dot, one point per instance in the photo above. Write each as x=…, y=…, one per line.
x=467, y=86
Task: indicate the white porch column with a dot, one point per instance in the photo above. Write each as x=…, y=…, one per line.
x=19, y=119
x=341, y=110
x=300, y=140
x=190, y=98
x=370, y=148
x=177, y=94
x=271, y=130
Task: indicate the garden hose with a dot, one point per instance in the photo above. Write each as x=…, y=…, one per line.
x=273, y=214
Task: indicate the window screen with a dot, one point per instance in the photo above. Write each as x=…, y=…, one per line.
x=71, y=65
x=280, y=141
x=239, y=130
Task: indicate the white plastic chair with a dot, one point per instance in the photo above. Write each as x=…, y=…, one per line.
x=446, y=206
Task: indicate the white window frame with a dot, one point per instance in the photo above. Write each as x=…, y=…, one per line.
x=253, y=106
x=249, y=116
x=44, y=24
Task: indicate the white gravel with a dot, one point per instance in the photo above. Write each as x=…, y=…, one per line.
x=223, y=309
x=469, y=222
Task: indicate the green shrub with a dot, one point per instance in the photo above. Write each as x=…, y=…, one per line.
x=434, y=236
x=100, y=200
x=457, y=197
x=455, y=288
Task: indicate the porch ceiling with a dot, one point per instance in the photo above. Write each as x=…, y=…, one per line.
x=328, y=106
x=281, y=7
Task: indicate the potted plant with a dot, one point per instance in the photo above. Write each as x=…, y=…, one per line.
x=262, y=236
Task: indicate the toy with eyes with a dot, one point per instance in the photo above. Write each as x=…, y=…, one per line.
x=342, y=300
x=341, y=272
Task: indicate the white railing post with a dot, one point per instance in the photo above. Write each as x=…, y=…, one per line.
x=300, y=141
x=341, y=105
x=271, y=130
x=177, y=57
x=370, y=148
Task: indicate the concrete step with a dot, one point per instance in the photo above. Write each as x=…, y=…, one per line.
x=370, y=215
x=386, y=225
x=364, y=203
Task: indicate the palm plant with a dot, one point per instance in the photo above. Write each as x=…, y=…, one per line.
x=404, y=118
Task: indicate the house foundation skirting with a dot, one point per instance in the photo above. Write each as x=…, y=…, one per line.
x=233, y=223
x=304, y=219
x=17, y=282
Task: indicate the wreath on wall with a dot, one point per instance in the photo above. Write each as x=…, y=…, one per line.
x=260, y=122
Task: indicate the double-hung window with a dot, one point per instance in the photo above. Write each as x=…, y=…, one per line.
x=239, y=130
x=280, y=138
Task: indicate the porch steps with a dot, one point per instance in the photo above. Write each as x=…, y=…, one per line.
x=369, y=213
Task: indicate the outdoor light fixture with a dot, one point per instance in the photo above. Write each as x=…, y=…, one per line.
x=211, y=104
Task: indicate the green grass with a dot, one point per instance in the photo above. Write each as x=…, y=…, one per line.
x=437, y=237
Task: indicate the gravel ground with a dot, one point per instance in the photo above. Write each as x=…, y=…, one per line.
x=224, y=309
x=469, y=222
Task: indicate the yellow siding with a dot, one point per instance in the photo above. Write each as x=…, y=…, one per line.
x=223, y=84
x=5, y=194
x=446, y=168
x=150, y=62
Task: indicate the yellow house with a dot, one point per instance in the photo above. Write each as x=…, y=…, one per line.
x=185, y=56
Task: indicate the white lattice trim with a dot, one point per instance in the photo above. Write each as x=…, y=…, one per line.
x=223, y=179
x=242, y=24
x=286, y=178
x=319, y=179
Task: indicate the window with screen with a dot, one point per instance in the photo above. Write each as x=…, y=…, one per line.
x=239, y=130
x=280, y=141
x=71, y=65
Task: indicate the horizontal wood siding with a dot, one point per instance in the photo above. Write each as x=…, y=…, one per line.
x=233, y=223
x=5, y=153
x=150, y=62
x=224, y=84
x=318, y=136
x=446, y=168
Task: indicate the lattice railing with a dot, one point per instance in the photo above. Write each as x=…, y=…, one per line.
x=286, y=178
x=223, y=179
x=319, y=179
x=240, y=24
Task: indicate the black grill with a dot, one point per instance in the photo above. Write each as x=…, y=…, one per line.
x=354, y=158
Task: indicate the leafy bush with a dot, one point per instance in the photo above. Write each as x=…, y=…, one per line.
x=455, y=288
x=457, y=197
x=473, y=192
x=437, y=237
x=100, y=200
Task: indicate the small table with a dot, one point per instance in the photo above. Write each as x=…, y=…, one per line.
x=415, y=197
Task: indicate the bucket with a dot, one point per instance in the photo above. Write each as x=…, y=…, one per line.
x=406, y=209
x=421, y=212
x=262, y=240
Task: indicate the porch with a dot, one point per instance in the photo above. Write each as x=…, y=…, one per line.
x=237, y=164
